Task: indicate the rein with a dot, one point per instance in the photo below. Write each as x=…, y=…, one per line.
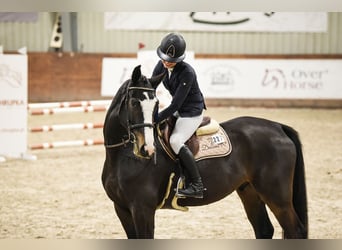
x=124, y=142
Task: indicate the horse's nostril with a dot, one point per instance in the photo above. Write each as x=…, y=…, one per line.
x=148, y=150
x=142, y=148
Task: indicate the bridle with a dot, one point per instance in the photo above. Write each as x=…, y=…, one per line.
x=139, y=125
x=130, y=127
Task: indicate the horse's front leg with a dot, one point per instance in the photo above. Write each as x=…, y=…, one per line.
x=144, y=219
x=126, y=220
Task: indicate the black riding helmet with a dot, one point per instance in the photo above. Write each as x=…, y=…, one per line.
x=172, y=48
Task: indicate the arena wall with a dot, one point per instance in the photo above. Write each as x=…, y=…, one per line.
x=65, y=76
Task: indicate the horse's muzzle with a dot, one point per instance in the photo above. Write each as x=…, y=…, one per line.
x=144, y=152
x=143, y=149
x=149, y=150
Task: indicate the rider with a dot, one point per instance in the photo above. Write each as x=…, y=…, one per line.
x=187, y=106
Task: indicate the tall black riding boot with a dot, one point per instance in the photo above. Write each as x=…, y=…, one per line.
x=195, y=188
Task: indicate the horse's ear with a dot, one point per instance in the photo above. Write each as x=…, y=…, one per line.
x=136, y=74
x=155, y=80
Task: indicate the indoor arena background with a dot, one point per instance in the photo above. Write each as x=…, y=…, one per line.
x=60, y=194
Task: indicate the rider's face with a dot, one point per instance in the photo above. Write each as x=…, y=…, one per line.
x=168, y=65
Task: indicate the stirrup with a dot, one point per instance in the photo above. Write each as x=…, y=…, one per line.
x=180, y=184
x=198, y=196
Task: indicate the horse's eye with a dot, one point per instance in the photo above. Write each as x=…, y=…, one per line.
x=134, y=103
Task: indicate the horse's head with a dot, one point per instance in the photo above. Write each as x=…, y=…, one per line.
x=141, y=105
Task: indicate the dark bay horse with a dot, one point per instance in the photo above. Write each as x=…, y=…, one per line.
x=265, y=167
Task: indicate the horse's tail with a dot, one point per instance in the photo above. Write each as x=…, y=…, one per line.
x=299, y=185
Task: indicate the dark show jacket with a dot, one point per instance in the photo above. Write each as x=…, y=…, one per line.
x=187, y=97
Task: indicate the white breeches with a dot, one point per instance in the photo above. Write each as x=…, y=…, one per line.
x=184, y=129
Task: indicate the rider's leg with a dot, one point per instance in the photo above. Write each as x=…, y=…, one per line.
x=195, y=188
x=184, y=129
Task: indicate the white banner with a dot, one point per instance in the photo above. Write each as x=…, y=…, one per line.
x=13, y=105
x=218, y=21
x=242, y=78
x=270, y=78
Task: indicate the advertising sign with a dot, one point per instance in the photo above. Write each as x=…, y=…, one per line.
x=13, y=105
x=241, y=78
x=270, y=78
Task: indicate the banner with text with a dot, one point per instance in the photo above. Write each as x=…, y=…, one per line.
x=13, y=105
x=218, y=21
x=245, y=78
x=270, y=78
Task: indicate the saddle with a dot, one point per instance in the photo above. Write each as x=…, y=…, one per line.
x=196, y=143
